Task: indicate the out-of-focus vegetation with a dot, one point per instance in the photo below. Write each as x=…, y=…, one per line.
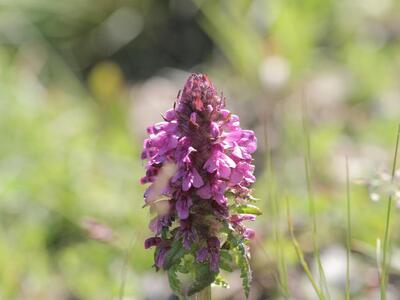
x=80, y=80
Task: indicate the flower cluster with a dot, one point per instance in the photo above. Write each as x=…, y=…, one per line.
x=199, y=166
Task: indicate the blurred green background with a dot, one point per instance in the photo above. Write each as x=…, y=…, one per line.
x=81, y=80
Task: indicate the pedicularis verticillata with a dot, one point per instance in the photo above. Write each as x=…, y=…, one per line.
x=199, y=165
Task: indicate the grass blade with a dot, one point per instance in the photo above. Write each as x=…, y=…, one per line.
x=125, y=265
x=300, y=254
x=307, y=159
x=282, y=278
x=384, y=267
x=348, y=231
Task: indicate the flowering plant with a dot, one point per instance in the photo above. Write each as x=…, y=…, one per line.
x=199, y=165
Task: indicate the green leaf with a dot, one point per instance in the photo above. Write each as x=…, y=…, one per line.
x=203, y=278
x=226, y=260
x=248, y=209
x=220, y=281
x=174, y=255
x=245, y=270
x=182, y=269
x=186, y=264
x=173, y=279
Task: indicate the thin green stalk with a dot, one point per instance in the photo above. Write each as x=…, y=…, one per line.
x=383, y=279
x=348, y=231
x=281, y=255
x=300, y=254
x=124, y=269
x=270, y=271
x=311, y=201
x=205, y=294
x=271, y=188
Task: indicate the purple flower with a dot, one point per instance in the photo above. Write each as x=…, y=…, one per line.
x=202, y=254
x=211, y=253
x=214, y=190
x=219, y=162
x=213, y=249
x=242, y=173
x=191, y=178
x=249, y=233
x=182, y=207
x=160, y=256
x=150, y=242
x=212, y=157
x=236, y=219
x=159, y=222
x=236, y=222
x=187, y=233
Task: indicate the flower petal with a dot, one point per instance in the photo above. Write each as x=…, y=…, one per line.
x=197, y=180
x=182, y=207
x=204, y=192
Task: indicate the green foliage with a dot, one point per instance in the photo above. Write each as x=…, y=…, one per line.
x=220, y=281
x=173, y=279
x=68, y=151
x=187, y=263
x=242, y=45
x=248, y=209
x=245, y=270
x=174, y=255
x=240, y=256
x=63, y=163
x=233, y=255
x=252, y=199
x=226, y=260
x=203, y=278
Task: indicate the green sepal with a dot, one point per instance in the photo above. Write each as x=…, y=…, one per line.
x=248, y=209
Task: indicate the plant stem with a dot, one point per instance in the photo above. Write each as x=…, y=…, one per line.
x=205, y=294
x=383, y=279
x=348, y=232
x=311, y=201
x=273, y=199
x=300, y=254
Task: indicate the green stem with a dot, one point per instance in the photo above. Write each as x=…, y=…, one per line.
x=273, y=199
x=205, y=294
x=311, y=201
x=348, y=231
x=383, y=279
x=300, y=254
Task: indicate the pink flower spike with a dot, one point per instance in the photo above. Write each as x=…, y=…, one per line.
x=196, y=159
